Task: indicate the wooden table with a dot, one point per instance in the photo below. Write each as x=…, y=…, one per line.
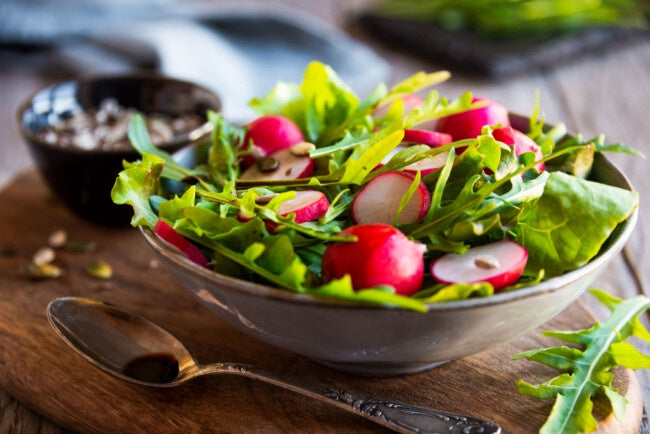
x=605, y=92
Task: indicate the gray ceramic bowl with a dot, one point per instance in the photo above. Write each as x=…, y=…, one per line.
x=383, y=340
x=82, y=179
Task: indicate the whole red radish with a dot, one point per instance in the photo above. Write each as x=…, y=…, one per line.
x=500, y=263
x=286, y=163
x=167, y=233
x=382, y=256
x=269, y=134
x=520, y=142
x=378, y=201
x=468, y=124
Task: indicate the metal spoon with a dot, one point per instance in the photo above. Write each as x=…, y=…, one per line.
x=137, y=350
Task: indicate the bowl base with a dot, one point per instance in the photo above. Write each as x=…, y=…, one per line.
x=379, y=369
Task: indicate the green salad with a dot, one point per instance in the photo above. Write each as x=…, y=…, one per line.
x=393, y=200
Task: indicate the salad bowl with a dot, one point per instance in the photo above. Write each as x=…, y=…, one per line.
x=384, y=340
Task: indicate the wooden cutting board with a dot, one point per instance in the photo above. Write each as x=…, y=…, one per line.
x=42, y=372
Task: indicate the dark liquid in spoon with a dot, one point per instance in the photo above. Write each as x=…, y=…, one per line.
x=152, y=368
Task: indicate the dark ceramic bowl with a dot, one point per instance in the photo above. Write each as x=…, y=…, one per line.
x=83, y=179
x=375, y=340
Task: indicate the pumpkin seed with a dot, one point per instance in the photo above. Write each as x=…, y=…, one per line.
x=58, y=238
x=43, y=256
x=301, y=149
x=487, y=262
x=80, y=246
x=267, y=164
x=43, y=271
x=99, y=270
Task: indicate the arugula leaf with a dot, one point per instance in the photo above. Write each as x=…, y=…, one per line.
x=602, y=348
x=570, y=221
x=135, y=184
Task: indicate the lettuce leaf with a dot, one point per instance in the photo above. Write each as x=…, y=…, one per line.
x=570, y=222
x=135, y=184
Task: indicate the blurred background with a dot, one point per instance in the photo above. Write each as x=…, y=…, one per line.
x=588, y=59
x=499, y=49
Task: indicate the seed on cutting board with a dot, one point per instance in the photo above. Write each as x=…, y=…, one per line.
x=267, y=164
x=58, y=238
x=43, y=271
x=80, y=246
x=302, y=149
x=99, y=270
x=43, y=256
x=486, y=262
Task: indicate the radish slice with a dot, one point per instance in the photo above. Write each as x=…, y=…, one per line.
x=426, y=137
x=269, y=134
x=424, y=166
x=307, y=205
x=168, y=234
x=382, y=255
x=290, y=166
x=378, y=201
x=500, y=263
x=520, y=142
x=468, y=124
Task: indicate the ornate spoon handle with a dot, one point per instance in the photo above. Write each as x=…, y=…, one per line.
x=396, y=416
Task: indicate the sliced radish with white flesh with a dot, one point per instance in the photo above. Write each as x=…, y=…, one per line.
x=424, y=166
x=307, y=205
x=382, y=255
x=500, y=263
x=426, y=137
x=282, y=164
x=269, y=134
x=520, y=142
x=378, y=201
x=185, y=246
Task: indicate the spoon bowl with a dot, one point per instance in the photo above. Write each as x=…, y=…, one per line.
x=134, y=349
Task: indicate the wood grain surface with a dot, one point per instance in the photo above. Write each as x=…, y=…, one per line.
x=604, y=92
x=42, y=372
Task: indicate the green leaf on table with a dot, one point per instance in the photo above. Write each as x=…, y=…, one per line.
x=571, y=221
x=590, y=367
x=135, y=184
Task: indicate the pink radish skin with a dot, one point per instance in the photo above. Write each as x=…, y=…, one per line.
x=379, y=199
x=168, y=234
x=468, y=124
x=409, y=102
x=426, y=137
x=382, y=256
x=307, y=205
x=269, y=134
x=520, y=142
x=424, y=166
x=500, y=263
x=291, y=167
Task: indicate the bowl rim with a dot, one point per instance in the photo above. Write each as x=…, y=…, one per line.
x=551, y=285
x=197, y=134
